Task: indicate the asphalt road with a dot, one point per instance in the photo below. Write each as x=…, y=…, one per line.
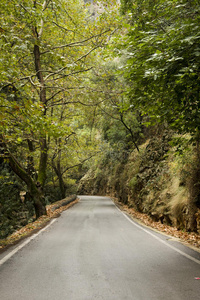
x=93, y=251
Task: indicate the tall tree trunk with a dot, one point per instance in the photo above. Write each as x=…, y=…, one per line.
x=43, y=161
x=30, y=162
x=43, y=100
x=39, y=74
x=61, y=184
x=59, y=173
x=38, y=200
x=57, y=169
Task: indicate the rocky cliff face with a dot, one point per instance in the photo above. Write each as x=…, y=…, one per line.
x=155, y=181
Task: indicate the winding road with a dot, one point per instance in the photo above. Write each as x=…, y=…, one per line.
x=94, y=251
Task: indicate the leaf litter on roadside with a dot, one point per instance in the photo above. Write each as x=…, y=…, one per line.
x=192, y=238
x=36, y=225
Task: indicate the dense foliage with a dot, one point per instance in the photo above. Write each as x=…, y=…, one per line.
x=162, y=69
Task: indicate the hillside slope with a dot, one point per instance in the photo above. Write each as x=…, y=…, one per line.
x=159, y=181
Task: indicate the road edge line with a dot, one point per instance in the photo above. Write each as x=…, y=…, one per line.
x=27, y=241
x=159, y=239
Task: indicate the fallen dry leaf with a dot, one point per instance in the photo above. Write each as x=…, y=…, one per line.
x=186, y=237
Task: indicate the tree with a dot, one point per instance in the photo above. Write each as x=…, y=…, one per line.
x=46, y=47
x=162, y=48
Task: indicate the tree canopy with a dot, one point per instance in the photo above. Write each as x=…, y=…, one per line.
x=162, y=69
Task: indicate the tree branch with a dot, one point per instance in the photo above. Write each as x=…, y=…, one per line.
x=68, y=30
x=79, y=164
x=76, y=43
x=130, y=130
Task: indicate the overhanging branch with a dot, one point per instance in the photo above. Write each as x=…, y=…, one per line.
x=80, y=43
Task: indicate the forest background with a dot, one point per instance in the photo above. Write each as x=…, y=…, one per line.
x=100, y=98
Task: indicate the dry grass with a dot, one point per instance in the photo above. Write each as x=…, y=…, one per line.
x=179, y=198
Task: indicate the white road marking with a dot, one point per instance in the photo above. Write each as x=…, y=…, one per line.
x=27, y=241
x=160, y=240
